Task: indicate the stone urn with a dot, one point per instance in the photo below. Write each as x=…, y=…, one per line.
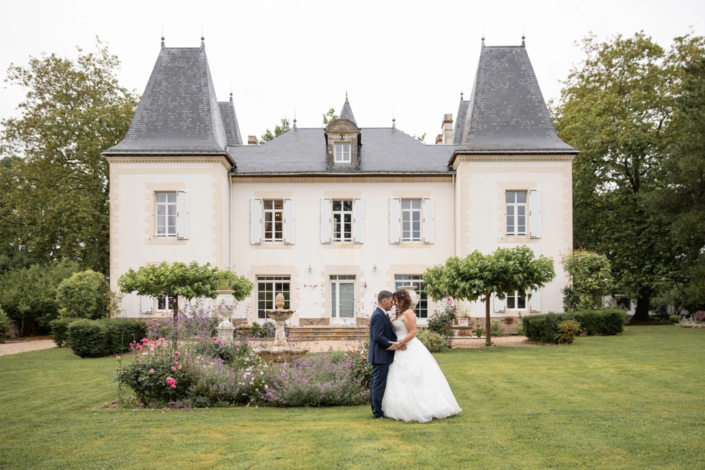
x=224, y=306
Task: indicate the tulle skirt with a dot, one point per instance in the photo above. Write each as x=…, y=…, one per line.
x=416, y=389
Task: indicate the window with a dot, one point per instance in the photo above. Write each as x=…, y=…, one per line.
x=274, y=221
x=342, y=221
x=516, y=212
x=342, y=153
x=416, y=280
x=166, y=214
x=516, y=302
x=267, y=290
x=342, y=289
x=164, y=303
x=411, y=220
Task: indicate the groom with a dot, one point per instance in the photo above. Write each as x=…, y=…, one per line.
x=383, y=343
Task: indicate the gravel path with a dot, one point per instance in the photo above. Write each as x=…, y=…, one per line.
x=24, y=346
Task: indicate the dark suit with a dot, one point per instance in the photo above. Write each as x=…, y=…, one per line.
x=381, y=334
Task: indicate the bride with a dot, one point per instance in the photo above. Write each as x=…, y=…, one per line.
x=416, y=389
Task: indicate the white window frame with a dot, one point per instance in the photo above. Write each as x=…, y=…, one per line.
x=343, y=152
x=270, y=236
x=416, y=280
x=167, y=301
x=516, y=299
x=270, y=302
x=515, y=213
x=337, y=280
x=411, y=210
x=165, y=217
x=339, y=237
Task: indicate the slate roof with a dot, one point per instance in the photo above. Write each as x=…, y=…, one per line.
x=506, y=112
x=346, y=112
x=178, y=112
x=303, y=151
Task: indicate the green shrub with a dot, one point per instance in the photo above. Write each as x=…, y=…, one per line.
x=567, y=331
x=495, y=329
x=60, y=330
x=432, y=340
x=479, y=331
x=99, y=338
x=83, y=295
x=86, y=339
x=544, y=328
x=5, y=325
x=519, y=330
x=442, y=320
x=675, y=319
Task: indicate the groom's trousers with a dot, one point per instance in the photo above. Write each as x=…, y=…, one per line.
x=377, y=387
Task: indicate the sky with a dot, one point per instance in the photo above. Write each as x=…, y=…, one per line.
x=407, y=59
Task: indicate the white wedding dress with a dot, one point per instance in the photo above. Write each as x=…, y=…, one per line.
x=416, y=389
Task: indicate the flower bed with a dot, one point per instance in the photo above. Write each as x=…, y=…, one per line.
x=207, y=372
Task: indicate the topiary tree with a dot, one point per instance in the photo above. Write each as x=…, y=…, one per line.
x=240, y=285
x=83, y=295
x=590, y=276
x=478, y=276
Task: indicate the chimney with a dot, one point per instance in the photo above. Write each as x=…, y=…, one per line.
x=251, y=140
x=446, y=130
x=439, y=139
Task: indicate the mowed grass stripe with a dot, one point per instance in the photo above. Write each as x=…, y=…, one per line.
x=628, y=401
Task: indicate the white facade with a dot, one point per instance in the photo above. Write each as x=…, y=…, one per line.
x=469, y=213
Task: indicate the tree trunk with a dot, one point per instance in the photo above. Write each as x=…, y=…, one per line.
x=643, y=304
x=488, y=335
x=176, y=321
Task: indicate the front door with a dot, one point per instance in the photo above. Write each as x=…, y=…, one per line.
x=342, y=290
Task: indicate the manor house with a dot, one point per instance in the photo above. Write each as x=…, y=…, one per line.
x=331, y=216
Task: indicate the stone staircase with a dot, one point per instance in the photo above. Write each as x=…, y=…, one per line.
x=329, y=333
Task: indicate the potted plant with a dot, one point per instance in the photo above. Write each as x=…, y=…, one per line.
x=463, y=318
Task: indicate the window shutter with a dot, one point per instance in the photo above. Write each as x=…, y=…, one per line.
x=289, y=222
x=428, y=216
x=255, y=221
x=535, y=216
x=326, y=211
x=500, y=305
x=146, y=304
x=535, y=300
x=182, y=214
x=358, y=220
x=394, y=220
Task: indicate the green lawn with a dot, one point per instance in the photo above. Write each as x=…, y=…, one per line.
x=629, y=401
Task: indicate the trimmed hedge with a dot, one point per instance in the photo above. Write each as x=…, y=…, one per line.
x=60, y=330
x=544, y=328
x=99, y=338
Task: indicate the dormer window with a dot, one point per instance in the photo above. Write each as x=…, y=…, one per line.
x=342, y=153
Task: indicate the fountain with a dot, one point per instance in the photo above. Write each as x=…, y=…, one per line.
x=280, y=351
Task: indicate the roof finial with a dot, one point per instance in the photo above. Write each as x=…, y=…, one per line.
x=483, y=37
x=346, y=95
x=394, y=120
x=162, y=37
x=294, y=118
x=231, y=92
x=461, y=96
x=203, y=39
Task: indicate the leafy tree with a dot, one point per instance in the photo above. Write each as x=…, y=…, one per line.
x=478, y=276
x=421, y=137
x=680, y=198
x=616, y=107
x=54, y=200
x=329, y=117
x=29, y=295
x=590, y=277
x=83, y=295
x=279, y=129
x=177, y=280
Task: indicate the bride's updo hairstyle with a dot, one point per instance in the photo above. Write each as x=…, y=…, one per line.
x=403, y=301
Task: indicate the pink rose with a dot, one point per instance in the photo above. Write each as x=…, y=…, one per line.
x=215, y=339
x=176, y=363
x=145, y=340
x=139, y=346
x=362, y=357
x=179, y=367
x=162, y=340
x=346, y=354
x=153, y=343
x=173, y=386
x=151, y=371
x=151, y=349
x=174, y=369
x=177, y=354
x=118, y=357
